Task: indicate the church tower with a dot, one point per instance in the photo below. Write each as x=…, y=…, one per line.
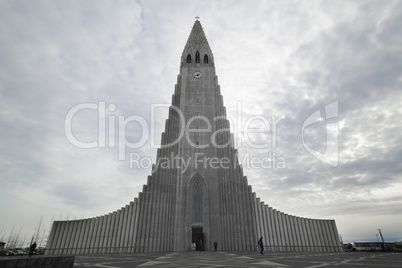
x=197, y=193
x=213, y=199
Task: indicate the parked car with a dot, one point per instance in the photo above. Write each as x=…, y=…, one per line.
x=6, y=252
x=40, y=252
x=20, y=252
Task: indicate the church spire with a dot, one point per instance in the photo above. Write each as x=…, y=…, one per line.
x=197, y=41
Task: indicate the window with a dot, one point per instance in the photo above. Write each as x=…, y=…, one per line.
x=197, y=101
x=197, y=143
x=188, y=58
x=197, y=57
x=196, y=88
x=196, y=113
x=206, y=58
x=197, y=201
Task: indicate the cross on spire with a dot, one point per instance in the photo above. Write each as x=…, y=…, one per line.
x=197, y=17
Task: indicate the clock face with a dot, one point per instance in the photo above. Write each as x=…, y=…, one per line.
x=197, y=74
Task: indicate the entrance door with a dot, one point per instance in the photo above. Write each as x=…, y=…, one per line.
x=198, y=238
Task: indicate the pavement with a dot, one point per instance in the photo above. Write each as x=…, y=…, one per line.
x=241, y=259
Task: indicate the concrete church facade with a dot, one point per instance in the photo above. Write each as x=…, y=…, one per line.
x=209, y=200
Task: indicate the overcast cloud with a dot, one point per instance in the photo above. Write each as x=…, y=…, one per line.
x=273, y=58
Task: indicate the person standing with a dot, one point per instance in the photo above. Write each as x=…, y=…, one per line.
x=200, y=245
x=261, y=244
x=32, y=249
x=215, y=246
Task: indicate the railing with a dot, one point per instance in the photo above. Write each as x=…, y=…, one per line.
x=296, y=248
x=94, y=250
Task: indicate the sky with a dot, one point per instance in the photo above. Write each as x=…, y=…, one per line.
x=331, y=70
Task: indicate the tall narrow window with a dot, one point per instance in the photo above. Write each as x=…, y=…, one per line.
x=197, y=101
x=197, y=202
x=206, y=58
x=196, y=113
x=188, y=58
x=197, y=57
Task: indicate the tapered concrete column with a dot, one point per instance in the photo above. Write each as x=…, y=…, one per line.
x=51, y=240
x=243, y=212
x=115, y=231
x=119, y=230
x=325, y=233
x=126, y=228
x=92, y=246
x=157, y=230
x=257, y=215
x=295, y=231
x=284, y=238
x=301, y=234
x=307, y=235
x=289, y=232
x=331, y=241
x=63, y=242
x=77, y=237
x=131, y=224
x=84, y=238
x=167, y=245
x=318, y=235
x=312, y=235
x=328, y=245
x=281, y=237
x=59, y=245
x=263, y=222
x=336, y=237
x=252, y=226
x=143, y=217
x=266, y=227
x=285, y=231
x=123, y=225
x=71, y=237
x=107, y=240
x=112, y=229
x=135, y=224
x=91, y=222
x=99, y=235
x=138, y=221
x=275, y=233
x=150, y=216
x=103, y=234
x=320, y=231
x=83, y=233
x=270, y=239
x=57, y=231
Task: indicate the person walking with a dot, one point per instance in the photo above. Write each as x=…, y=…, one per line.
x=261, y=244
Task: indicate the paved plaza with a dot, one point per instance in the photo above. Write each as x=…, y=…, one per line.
x=241, y=259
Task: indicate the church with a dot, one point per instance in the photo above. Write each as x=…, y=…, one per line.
x=183, y=208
